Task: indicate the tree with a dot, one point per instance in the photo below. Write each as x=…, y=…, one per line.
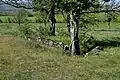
x=64, y=7
x=48, y=7
x=52, y=19
x=75, y=8
x=74, y=11
x=20, y=16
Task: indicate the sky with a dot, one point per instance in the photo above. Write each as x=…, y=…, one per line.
x=118, y=0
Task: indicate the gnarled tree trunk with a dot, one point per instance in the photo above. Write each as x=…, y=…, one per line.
x=75, y=46
x=52, y=20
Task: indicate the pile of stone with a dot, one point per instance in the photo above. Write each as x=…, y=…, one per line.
x=52, y=43
x=97, y=50
x=66, y=48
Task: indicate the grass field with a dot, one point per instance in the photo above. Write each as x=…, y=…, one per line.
x=19, y=60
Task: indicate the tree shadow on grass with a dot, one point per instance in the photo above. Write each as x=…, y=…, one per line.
x=112, y=42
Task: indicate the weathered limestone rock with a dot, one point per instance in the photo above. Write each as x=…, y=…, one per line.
x=97, y=49
x=51, y=43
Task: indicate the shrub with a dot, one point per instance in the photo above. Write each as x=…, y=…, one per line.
x=25, y=30
x=42, y=31
x=28, y=31
x=87, y=42
x=38, y=20
x=20, y=16
x=41, y=17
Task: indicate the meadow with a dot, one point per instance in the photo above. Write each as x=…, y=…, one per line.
x=20, y=60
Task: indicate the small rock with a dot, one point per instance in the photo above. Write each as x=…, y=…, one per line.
x=86, y=54
x=51, y=43
x=96, y=50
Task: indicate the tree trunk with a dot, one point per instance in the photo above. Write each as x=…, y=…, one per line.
x=52, y=20
x=75, y=46
x=68, y=24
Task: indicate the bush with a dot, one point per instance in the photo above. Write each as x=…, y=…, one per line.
x=41, y=17
x=87, y=42
x=42, y=31
x=28, y=31
x=38, y=20
x=20, y=16
x=25, y=30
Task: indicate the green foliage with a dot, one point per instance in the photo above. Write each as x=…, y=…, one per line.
x=26, y=30
x=87, y=42
x=33, y=32
x=88, y=19
x=38, y=20
x=20, y=16
x=1, y=21
x=42, y=31
x=43, y=6
x=38, y=17
x=78, y=5
x=60, y=18
x=114, y=16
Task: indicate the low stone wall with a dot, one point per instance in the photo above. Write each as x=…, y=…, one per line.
x=61, y=45
x=52, y=43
